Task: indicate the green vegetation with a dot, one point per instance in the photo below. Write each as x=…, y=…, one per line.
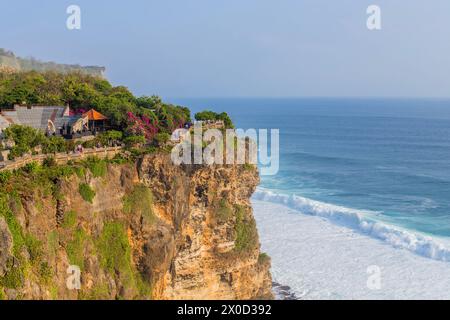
x=133, y=141
x=70, y=220
x=115, y=253
x=110, y=137
x=98, y=292
x=162, y=138
x=25, y=139
x=97, y=166
x=45, y=272
x=34, y=247
x=28, y=140
x=208, y=115
x=54, y=144
x=224, y=212
x=53, y=243
x=263, y=257
x=86, y=192
x=75, y=248
x=249, y=166
x=80, y=171
x=13, y=225
x=245, y=231
x=83, y=92
x=14, y=278
x=139, y=201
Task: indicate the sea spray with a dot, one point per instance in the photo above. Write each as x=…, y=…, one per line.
x=362, y=221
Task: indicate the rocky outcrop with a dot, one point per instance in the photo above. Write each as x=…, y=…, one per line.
x=209, y=210
x=152, y=230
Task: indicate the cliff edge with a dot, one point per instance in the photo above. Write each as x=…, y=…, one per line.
x=145, y=230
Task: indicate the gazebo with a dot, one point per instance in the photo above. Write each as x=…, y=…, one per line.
x=95, y=120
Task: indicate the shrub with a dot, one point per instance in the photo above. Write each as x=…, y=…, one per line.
x=97, y=166
x=5, y=176
x=110, y=137
x=54, y=144
x=86, y=192
x=49, y=162
x=133, y=141
x=208, y=115
x=89, y=144
x=32, y=167
x=263, y=257
x=25, y=139
x=161, y=138
x=80, y=172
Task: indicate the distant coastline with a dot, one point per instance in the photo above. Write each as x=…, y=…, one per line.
x=8, y=60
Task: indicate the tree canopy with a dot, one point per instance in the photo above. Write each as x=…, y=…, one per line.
x=82, y=92
x=208, y=115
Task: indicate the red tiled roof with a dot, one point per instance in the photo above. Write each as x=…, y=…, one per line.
x=94, y=115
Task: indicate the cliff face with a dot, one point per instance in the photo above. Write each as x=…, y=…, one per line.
x=150, y=230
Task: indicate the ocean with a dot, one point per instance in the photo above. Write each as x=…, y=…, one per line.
x=377, y=167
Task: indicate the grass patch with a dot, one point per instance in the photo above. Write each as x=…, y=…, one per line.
x=75, y=248
x=86, y=192
x=45, y=273
x=2, y=294
x=224, y=212
x=70, y=220
x=80, y=172
x=263, y=257
x=97, y=166
x=114, y=248
x=248, y=166
x=34, y=247
x=245, y=231
x=115, y=256
x=53, y=243
x=139, y=201
x=98, y=292
x=15, y=277
x=13, y=225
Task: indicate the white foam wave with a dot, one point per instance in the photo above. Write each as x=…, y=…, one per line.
x=361, y=221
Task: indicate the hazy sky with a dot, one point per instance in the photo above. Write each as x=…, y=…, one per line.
x=221, y=48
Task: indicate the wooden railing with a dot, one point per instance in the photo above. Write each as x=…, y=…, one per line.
x=60, y=158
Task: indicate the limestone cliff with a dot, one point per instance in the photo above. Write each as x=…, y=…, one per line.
x=148, y=230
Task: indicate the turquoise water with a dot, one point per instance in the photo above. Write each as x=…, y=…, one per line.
x=391, y=157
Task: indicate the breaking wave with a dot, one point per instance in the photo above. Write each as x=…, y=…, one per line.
x=362, y=222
